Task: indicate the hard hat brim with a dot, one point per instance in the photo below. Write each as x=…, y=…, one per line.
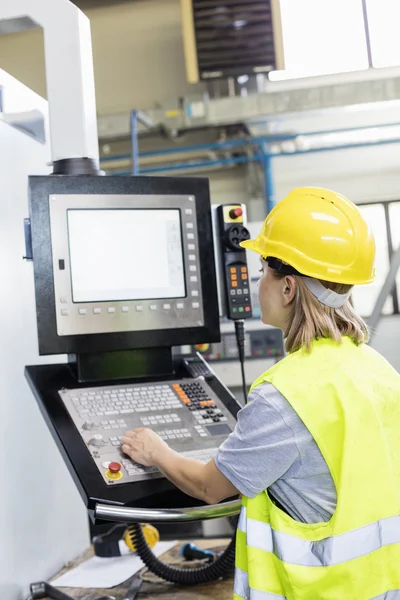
x=250, y=245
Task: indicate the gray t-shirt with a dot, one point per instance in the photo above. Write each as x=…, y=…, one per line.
x=272, y=448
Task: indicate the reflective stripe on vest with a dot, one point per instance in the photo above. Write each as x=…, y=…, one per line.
x=324, y=553
x=244, y=592
x=392, y=595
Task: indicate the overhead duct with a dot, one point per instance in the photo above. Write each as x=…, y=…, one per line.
x=231, y=38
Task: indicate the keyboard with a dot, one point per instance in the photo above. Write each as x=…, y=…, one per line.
x=187, y=414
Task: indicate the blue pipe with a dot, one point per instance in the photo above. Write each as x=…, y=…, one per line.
x=270, y=198
x=203, y=163
x=245, y=159
x=217, y=146
x=135, y=143
x=243, y=142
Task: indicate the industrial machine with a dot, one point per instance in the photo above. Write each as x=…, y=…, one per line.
x=124, y=271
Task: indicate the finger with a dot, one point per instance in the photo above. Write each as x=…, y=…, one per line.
x=134, y=432
x=126, y=440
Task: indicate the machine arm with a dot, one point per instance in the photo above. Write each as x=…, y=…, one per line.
x=69, y=72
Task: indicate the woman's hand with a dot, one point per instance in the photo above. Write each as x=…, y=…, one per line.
x=143, y=446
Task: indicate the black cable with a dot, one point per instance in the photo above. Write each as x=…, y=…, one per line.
x=222, y=566
x=240, y=339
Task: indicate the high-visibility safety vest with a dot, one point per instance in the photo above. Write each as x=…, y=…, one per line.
x=348, y=397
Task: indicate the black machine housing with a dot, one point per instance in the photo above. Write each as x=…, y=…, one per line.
x=113, y=358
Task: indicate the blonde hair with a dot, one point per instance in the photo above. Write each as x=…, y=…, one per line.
x=310, y=319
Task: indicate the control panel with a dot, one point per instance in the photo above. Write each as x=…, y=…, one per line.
x=233, y=269
x=260, y=343
x=186, y=413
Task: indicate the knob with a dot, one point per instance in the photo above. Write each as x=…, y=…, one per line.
x=234, y=235
x=89, y=425
x=114, y=467
x=235, y=213
x=97, y=440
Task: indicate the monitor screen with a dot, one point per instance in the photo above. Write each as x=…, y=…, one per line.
x=126, y=263
x=125, y=254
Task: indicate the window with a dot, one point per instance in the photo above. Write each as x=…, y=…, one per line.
x=394, y=214
x=365, y=296
x=321, y=37
x=383, y=23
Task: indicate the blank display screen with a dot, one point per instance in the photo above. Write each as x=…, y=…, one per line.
x=125, y=255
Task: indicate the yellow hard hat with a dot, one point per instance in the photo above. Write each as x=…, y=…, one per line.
x=320, y=234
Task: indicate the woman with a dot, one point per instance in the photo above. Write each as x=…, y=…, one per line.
x=316, y=451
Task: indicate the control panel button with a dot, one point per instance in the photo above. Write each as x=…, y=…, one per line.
x=111, y=310
x=190, y=236
x=202, y=347
x=189, y=225
x=192, y=257
x=166, y=306
x=139, y=308
x=195, y=293
x=180, y=305
x=153, y=306
x=97, y=311
x=192, y=268
x=125, y=309
x=193, y=278
x=82, y=311
x=64, y=312
x=188, y=211
x=64, y=300
x=195, y=305
x=235, y=213
x=114, y=467
x=191, y=247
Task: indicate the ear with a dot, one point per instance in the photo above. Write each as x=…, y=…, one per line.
x=289, y=289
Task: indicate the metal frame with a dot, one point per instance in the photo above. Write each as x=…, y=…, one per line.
x=167, y=515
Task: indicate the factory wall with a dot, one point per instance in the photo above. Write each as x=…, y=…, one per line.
x=137, y=52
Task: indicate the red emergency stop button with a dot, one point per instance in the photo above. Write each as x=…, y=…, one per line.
x=235, y=213
x=114, y=467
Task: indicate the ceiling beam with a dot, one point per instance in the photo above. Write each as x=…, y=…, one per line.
x=87, y=4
